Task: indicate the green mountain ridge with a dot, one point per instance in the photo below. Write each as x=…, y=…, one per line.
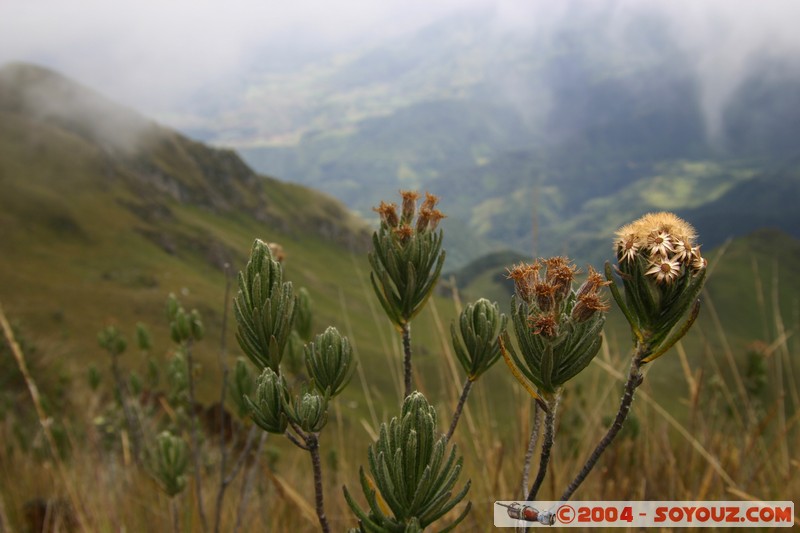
x=97, y=229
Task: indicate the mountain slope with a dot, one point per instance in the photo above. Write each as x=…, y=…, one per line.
x=100, y=224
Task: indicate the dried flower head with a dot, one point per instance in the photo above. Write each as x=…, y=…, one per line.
x=666, y=243
x=664, y=270
x=524, y=276
x=388, y=213
x=544, y=325
x=594, y=280
x=560, y=273
x=627, y=248
x=698, y=262
x=558, y=329
x=587, y=305
x=409, y=205
x=660, y=243
x=404, y=233
x=660, y=222
x=430, y=201
x=662, y=273
x=545, y=295
x=684, y=250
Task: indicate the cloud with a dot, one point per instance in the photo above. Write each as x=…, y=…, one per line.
x=153, y=53
x=157, y=56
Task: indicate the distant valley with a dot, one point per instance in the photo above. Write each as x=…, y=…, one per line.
x=537, y=142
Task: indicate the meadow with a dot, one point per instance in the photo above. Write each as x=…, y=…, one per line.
x=715, y=419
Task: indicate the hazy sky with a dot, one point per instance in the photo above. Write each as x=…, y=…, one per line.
x=153, y=54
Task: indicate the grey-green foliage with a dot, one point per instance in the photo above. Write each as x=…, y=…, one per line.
x=143, y=338
x=303, y=321
x=406, y=259
x=551, y=362
x=309, y=411
x=241, y=385
x=135, y=382
x=413, y=473
x=112, y=340
x=329, y=361
x=654, y=309
x=171, y=459
x=177, y=379
x=264, y=308
x=93, y=376
x=268, y=409
x=476, y=340
x=183, y=326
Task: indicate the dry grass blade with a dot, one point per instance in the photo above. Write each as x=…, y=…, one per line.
x=43, y=418
x=697, y=445
x=749, y=497
x=286, y=491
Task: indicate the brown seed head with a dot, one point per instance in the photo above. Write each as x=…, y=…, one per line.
x=544, y=325
x=430, y=200
x=409, y=205
x=545, y=295
x=435, y=217
x=404, y=233
x=388, y=213
x=524, y=276
x=594, y=280
x=560, y=273
x=587, y=305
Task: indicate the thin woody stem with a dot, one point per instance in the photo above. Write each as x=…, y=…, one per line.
x=244, y=493
x=407, y=358
x=176, y=525
x=461, y=401
x=547, y=445
x=195, y=439
x=223, y=481
x=634, y=380
x=313, y=448
x=526, y=467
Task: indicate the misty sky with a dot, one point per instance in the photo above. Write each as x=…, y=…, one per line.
x=154, y=54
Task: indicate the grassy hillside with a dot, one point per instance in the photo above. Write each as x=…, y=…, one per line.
x=98, y=233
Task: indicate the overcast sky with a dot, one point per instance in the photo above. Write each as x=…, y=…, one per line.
x=152, y=54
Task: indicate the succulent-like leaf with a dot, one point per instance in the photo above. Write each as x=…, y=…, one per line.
x=309, y=410
x=264, y=309
x=269, y=407
x=410, y=472
x=170, y=463
x=242, y=384
x=476, y=341
x=329, y=361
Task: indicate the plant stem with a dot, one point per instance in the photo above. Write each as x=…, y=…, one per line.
x=173, y=506
x=130, y=419
x=547, y=445
x=248, y=447
x=195, y=440
x=312, y=442
x=461, y=401
x=244, y=494
x=526, y=467
x=407, y=358
x=634, y=380
x=223, y=482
